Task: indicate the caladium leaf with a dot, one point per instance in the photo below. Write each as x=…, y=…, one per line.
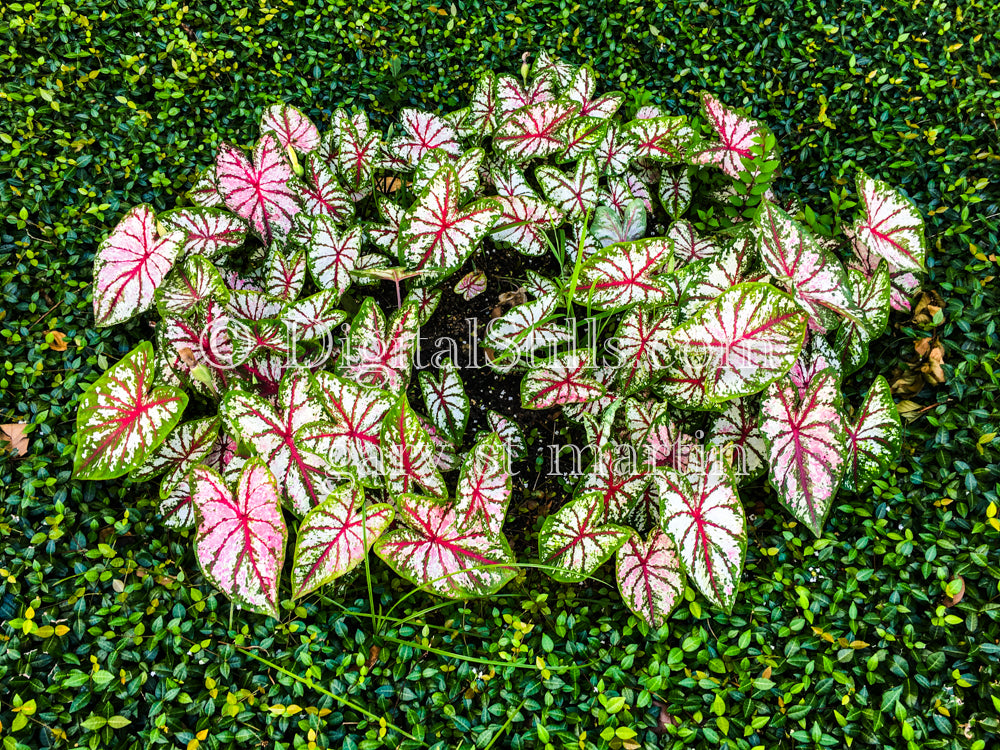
x=250, y=305
x=240, y=544
x=622, y=275
x=816, y=356
x=292, y=128
x=434, y=550
x=581, y=90
x=332, y=255
x=358, y=154
x=466, y=166
x=122, y=418
x=386, y=236
x=131, y=263
x=380, y=354
x=650, y=577
x=534, y=131
x=313, y=318
x=557, y=71
x=814, y=276
x=208, y=231
x=539, y=286
x=614, y=476
x=523, y=328
x=437, y=234
x=563, y=379
x=198, y=349
x=582, y=135
x=425, y=300
x=184, y=448
x=610, y=226
x=617, y=194
x=260, y=191
x=594, y=409
x=806, y=444
x=574, y=195
x=737, y=136
x=408, y=453
x=471, y=285
x=322, y=194
x=688, y=245
x=445, y=457
x=285, y=275
x=485, y=109
x=642, y=349
x=352, y=435
x=872, y=299
x=512, y=96
x=510, y=434
x=446, y=402
x=638, y=184
x=177, y=508
x=702, y=513
x=575, y=541
x=737, y=429
x=523, y=222
x=615, y=152
x=750, y=336
x=687, y=383
x=189, y=285
x=422, y=132
x=874, y=439
x=206, y=189
x=661, y=138
x=484, y=485
x=675, y=190
x=334, y=538
x=271, y=433
x=509, y=181
x=891, y=226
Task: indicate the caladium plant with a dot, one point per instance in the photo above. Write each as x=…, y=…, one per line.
x=701, y=347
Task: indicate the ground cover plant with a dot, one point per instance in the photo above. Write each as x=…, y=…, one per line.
x=112, y=637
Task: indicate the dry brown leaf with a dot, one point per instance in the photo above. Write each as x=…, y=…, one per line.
x=58, y=342
x=909, y=410
x=951, y=601
x=923, y=347
x=13, y=434
x=908, y=383
x=187, y=356
x=928, y=303
x=517, y=297
x=767, y=673
x=933, y=371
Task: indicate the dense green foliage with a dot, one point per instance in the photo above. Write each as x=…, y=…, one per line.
x=111, y=638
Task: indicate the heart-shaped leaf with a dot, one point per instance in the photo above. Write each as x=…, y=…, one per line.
x=872, y=299
x=563, y=379
x=380, y=354
x=534, y=131
x=322, y=194
x=484, y=485
x=240, y=543
x=675, y=191
x=184, y=448
x=208, y=231
x=641, y=348
x=285, y=275
x=292, y=128
x=650, y=577
x=422, y=132
x=188, y=286
x=623, y=275
x=574, y=195
x=737, y=136
x=575, y=541
x=523, y=222
x=890, y=227
x=446, y=402
x=581, y=90
x=332, y=254
x=737, y=431
x=471, y=285
x=873, y=439
x=610, y=226
x=122, y=418
x=408, y=454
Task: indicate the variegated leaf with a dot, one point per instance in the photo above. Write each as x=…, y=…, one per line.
x=208, y=231
x=446, y=402
x=510, y=434
x=313, y=318
x=662, y=138
x=437, y=234
x=205, y=191
x=386, y=236
x=547, y=66
x=445, y=457
x=523, y=222
x=574, y=195
x=814, y=276
x=581, y=90
x=737, y=430
x=563, y=379
x=512, y=96
x=334, y=538
x=675, y=190
x=579, y=412
x=261, y=190
x=650, y=577
x=425, y=300
x=615, y=151
x=292, y=128
x=737, y=136
x=610, y=226
x=539, y=286
x=642, y=349
x=485, y=110
x=184, y=448
x=358, y=154
x=177, y=508
x=351, y=437
x=271, y=433
x=623, y=275
x=701, y=512
x=688, y=245
x=874, y=439
x=534, y=131
x=891, y=227
x=471, y=285
x=240, y=543
x=484, y=485
x=806, y=444
x=322, y=194
x=525, y=328
x=422, y=132
x=190, y=285
x=575, y=541
x=748, y=337
x=285, y=275
x=582, y=135
x=872, y=299
x=380, y=354
x=408, y=454
x=467, y=167
x=131, y=263
x=122, y=418
x=332, y=255
x=616, y=477
x=435, y=551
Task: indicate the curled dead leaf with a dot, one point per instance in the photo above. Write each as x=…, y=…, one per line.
x=909, y=410
x=951, y=601
x=187, y=356
x=923, y=347
x=13, y=434
x=932, y=370
x=517, y=297
x=56, y=340
x=928, y=304
x=908, y=383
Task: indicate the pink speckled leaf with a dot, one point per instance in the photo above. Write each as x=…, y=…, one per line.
x=422, y=132
x=240, y=543
x=582, y=135
x=189, y=286
x=270, y=432
x=574, y=195
x=471, y=285
x=624, y=274
x=650, y=577
x=484, y=485
x=642, y=349
x=701, y=512
x=467, y=166
x=260, y=190
x=523, y=223
x=122, y=418
x=689, y=246
x=576, y=542
x=546, y=66
x=425, y=300
x=291, y=127
x=285, y=275
x=738, y=430
x=510, y=434
x=208, y=231
x=737, y=136
x=581, y=90
x=512, y=96
x=332, y=254
x=535, y=131
x=177, y=508
x=314, y=318
x=205, y=191
x=563, y=379
x=616, y=477
x=675, y=190
x=891, y=227
x=322, y=194
x=874, y=438
x=335, y=536
x=661, y=138
x=806, y=445
x=131, y=263
x=485, y=109
x=615, y=152
x=446, y=402
x=186, y=446
x=380, y=354
x=433, y=549
x=408, y=454
x=358, y=154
